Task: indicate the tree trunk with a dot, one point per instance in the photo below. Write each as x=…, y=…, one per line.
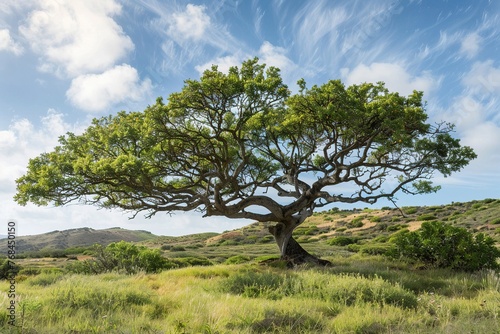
x=290, y=249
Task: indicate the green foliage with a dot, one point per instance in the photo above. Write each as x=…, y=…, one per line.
x=342, y=241
x=375, y=248
x=8, y=269
x=224, y=139
x=121, y=256
x=426, y=217
x=237, y=259
x=177, y=249
x=356, y=222
x=442, y=245
x=410, y=210
x=191, y=261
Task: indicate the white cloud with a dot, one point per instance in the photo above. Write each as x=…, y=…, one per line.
x=76, y=37
x=475, y=113
x=268, y=54
x=465, y=112
x=190, y=24
x=395, y=77
x=483, y=78
x=470, y=45
x=276, y=56
x=223, y=63
x=8, y=44
x=22, y=141
x=97, y=92
x=484, y=138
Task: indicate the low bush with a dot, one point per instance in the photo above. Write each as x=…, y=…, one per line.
x=237, y=259
x=191, y=261
x=445, y=246
x=8, y=269
x=120, y=256
x=356, y=223
x=426, y=217
x=410, y=210
x=342, y=241
x=375, y=249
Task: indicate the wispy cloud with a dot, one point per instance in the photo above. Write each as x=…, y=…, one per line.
x=470, y=45
x=190, y=32
x=326, y=34
x=8, y=44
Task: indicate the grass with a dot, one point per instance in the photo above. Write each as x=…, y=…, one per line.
x=359, y=294
x=363, y=292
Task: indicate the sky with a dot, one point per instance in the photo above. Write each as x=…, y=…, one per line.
x=65, y=62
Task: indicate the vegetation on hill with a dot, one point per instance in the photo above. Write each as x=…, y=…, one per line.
x=225, y=283
x=57, y=242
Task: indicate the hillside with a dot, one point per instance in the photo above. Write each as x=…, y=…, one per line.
x=369, y=230
x=367, y=227
x=79, y=237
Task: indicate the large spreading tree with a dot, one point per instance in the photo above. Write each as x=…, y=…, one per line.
x=240, y=145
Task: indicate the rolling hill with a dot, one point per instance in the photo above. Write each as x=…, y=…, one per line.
x=366, y=226
x=79, y=237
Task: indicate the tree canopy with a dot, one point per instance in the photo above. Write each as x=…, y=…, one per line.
x=241, y=145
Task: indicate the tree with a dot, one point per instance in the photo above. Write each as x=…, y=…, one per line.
x=240, y=145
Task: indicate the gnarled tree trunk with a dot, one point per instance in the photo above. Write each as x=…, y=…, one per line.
x=290, y=249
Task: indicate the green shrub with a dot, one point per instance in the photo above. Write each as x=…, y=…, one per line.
x=426, y=217
x=396, y=227
x=30, y=271
x=353, y=248
x=120, y=256
x=356, y=222
x=266, y=239
x=375, y=249
x=237, y=259
x=442, y=245
x=410, y=210
x=8, y=269
x=192, y=261
x=342, y=241
x=496, y=221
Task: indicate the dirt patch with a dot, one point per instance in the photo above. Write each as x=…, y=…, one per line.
x=413, y=226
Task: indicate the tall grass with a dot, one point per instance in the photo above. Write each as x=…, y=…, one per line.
x=365, y=295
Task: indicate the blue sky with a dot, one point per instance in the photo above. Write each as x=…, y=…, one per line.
x=65, y=62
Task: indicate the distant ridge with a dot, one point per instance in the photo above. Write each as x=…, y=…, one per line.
x=78, y=237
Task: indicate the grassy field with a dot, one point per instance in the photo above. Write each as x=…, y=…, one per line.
x=362, y=292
